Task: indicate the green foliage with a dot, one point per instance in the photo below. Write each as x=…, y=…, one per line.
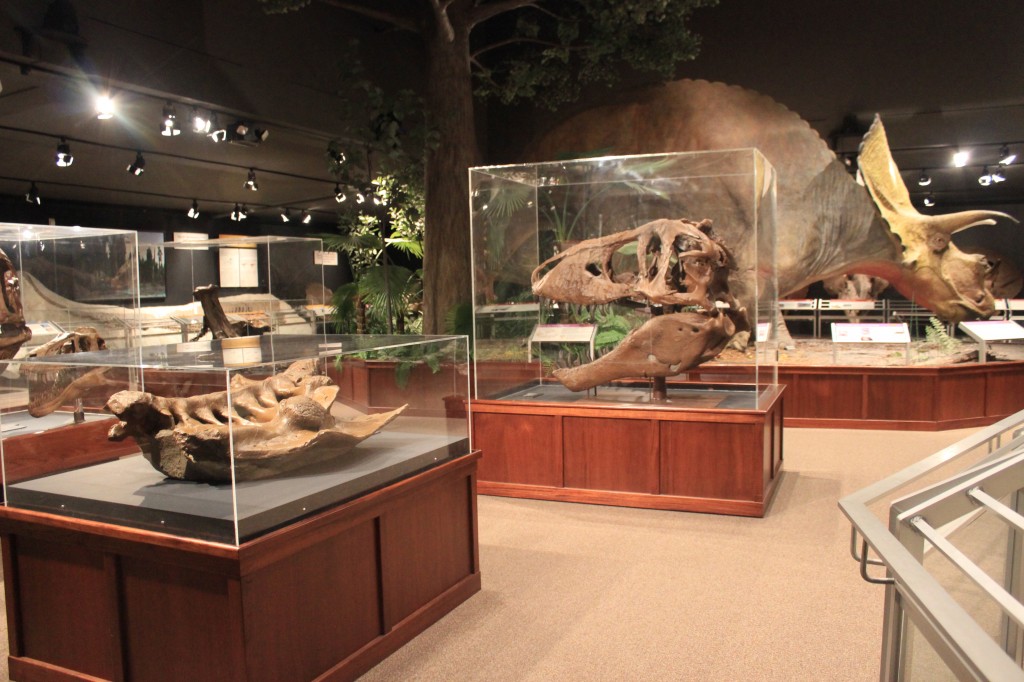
x=936, y=333
x=546, y=51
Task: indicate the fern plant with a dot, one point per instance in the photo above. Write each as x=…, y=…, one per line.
x=936, y=333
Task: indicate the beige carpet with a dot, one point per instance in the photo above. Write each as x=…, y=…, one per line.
x=579, y=592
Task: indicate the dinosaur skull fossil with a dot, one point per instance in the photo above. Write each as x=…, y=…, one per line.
x=50, y=385
x=678, y=264
x=933, y=271
x=13, y=330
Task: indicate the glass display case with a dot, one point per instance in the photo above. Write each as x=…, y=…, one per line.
x=71, y=277
x=271, y=283
x=226, y=440
x=589, y=263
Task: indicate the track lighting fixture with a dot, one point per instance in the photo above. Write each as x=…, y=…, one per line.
x=138, y=166
x=360, y=198
x=997, y=176
x=335, y=155
x=32, y=195
x=239, y=213
x=64, y=157
x=925, y=179
x=104, y=107
x=193, y=212
x=339, y=195
x=961, y=157
x=250, y=182
x=985, y=179
x=306, y=218
x=169, y=126
x=217, y=133
x=200, y=124
x=929, y=199
x=285, y=215
x=243, y=133
x=1006, y=157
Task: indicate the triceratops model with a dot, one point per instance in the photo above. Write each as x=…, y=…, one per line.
x=827, y=223
x=680, y=268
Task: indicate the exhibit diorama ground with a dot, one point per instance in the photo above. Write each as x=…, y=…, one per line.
x=575, y=592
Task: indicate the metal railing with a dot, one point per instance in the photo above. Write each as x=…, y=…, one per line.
x=928, y=535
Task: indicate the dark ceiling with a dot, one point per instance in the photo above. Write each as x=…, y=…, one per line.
x=940, y=72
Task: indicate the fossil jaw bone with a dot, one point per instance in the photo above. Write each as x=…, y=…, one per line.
x=276, y=425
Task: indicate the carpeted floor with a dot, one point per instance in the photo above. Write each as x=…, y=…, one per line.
x=580, y=592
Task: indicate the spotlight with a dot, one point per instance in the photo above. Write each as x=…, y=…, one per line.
x=200, y=124
x=924, y=180
x=285, y=216
x=243, y=133
x=250, y=182
x=997, y=176
x=335, y=155
x=360, y=198
x=193, y=212
x=1005, y=156
x=138, y=166
x=986, y=178
x=32, y=195
x=169, y=126
x=104, y=107
x=64, y=157
x=239, y=213
x=261, y=134
x=339, y=196
x=929, y=200
x=306, y=218
x=961, y=157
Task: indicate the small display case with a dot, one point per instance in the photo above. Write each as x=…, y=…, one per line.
x=227, y=440
x=270, y=282
x=72, y=277
x=528, y=217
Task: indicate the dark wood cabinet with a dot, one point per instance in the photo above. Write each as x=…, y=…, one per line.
x=325, y=597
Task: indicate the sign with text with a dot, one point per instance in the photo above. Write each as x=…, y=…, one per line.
x=870, y=333
x=993, y=330
x=564, y=333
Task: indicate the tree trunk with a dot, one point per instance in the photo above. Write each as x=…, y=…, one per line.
x=446, y=255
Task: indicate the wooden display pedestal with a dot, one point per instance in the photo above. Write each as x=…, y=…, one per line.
x=325, y=597
x=724, y=461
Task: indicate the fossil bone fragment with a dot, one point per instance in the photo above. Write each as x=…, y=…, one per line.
x=827, y=223
x=13, y=330
x=278, y=424
x=52, y=385
x=216, y=321
x=679, y=264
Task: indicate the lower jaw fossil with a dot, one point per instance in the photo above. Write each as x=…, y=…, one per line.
x=664, y=346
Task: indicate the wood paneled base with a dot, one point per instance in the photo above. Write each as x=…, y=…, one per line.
x=324, y=598
x=704, y=460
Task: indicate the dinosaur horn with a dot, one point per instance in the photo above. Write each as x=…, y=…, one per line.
x=954, y=222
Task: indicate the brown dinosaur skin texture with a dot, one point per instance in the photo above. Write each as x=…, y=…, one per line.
x=827, y=224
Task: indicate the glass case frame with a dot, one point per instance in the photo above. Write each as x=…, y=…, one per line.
x=72, y=276
x=524, y=214
x=64, y=463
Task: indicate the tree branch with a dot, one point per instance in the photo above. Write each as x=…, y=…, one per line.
x=441, y=16
x=396, y=19
x=482, y=13
x=513, y=41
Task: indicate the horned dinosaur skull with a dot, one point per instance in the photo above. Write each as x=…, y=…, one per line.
x=934, y=272
x=679, y=264
x=277, y=424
